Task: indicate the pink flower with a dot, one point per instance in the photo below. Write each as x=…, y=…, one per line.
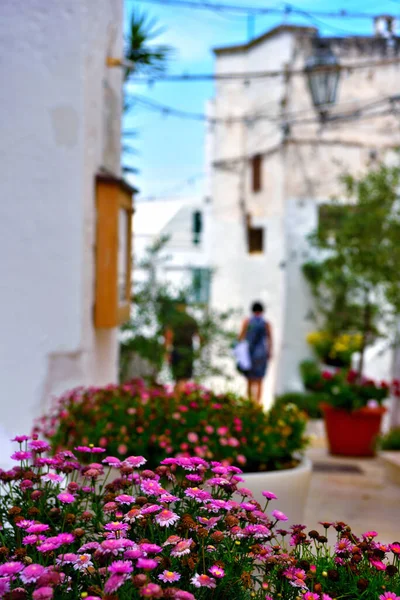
x=121, y=567
x=43, y=593
x=378, y=564
x=11, y=568
x=52, y=477
x=4, y=585
x=280, y=516
x=112, y=461
x=166, y=518
x=39, y=446
x=343, y=546
x=66, y=498
x=326, y=597
x=151, y=590
x=203, y=581
x=223, y=430
x=31, y=573
x=217, y=571
x=64, y=538
x=395, y=548
x=147, y=564
x=37, y=528
x=182, y=595
x=122, y=449
x=169, y=576
x=192, y=437
x=113, y=583
x=20, y=455
x=389, y=596
x=135, y=461
x=370, y=534
x=82, y=562
x=125, y=499
x=182, y=547
x=310, y=596
x=21, y=438
x=269, y=495
x=241, y=459
x=151, y=487
x=69, y=558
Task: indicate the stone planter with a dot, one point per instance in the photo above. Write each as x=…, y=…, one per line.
x=290, y=485
x=391, y=462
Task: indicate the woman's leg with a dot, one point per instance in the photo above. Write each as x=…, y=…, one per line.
x=259, y=390
x=249, y=386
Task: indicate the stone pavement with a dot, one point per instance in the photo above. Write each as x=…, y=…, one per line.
x=352, y=490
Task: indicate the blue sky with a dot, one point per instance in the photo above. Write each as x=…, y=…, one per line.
x=171, y=150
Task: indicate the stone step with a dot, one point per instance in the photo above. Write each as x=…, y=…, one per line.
x=391, y=463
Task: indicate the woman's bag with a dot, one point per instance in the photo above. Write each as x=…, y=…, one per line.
x=241, y=353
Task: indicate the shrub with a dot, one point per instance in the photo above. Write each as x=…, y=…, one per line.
x=185, y=531
x=342, y=388
x=306, y=402
x=391, y=441
x=156, y=422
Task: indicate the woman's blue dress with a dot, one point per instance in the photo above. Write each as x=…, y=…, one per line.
x=258, y=347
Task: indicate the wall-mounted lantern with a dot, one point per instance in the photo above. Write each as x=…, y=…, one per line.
x=323, y=72
x=114, y=208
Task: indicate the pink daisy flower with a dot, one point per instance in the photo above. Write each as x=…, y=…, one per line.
x=378, y=564
x=82, y=562
x=121, y=567
x=166, y=518
x=279, y=516
x=182, y=547
x=395, y=548
x=389, y=596
x=169, y=576
x=52, y=477
x=43, y=593
x=342, y=546
x=310, y=596
x=20, y=455
x=135, y=461
x=11, y=568
x=151, y=590
x=370, y=534
x=217, y=571
x=37, y=528
x=21, y=438
x=114, y=583
x=149, y=486
x=147, y=564
x=69, y=558
x=203, y=581
x=66, y=498
x=269, y=495
x=125, y=499
x=31, y=573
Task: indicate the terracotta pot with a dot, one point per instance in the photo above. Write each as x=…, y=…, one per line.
x=352, y=433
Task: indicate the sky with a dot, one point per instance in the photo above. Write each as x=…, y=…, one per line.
x=170, y=151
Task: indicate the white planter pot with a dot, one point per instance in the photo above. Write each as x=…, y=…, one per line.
x=290, y=485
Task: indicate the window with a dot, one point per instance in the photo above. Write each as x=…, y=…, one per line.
x=255, y=236
x=197, y=226
x=200, y=288
x=256, y=167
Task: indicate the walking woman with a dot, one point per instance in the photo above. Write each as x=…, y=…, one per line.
x=257, y=331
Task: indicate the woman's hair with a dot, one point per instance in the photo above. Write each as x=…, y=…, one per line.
x=257, y=307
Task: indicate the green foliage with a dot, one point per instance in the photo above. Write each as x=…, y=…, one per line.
x=155, y=307
x=391, y=441
x=149, y=59
x=134, y=419
x=355, y=279
x=309, y=403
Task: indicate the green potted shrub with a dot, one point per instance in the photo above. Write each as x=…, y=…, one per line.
x=352, y=411
x=157, y=422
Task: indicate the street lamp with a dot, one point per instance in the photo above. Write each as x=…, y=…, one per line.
x=323, y=71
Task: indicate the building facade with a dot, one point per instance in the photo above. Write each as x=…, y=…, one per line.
x=60, y=126
x=184, y=259
x=273, y=161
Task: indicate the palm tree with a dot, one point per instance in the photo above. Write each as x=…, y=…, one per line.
x=148, y=59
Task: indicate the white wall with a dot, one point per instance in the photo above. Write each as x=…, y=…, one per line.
x=60, y=123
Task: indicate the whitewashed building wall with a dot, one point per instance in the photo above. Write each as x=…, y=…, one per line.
x=61, y=109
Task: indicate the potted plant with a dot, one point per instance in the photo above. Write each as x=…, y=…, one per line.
x=187, y=530
x=157, y=422
x=335, y=350
x=352, y=411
